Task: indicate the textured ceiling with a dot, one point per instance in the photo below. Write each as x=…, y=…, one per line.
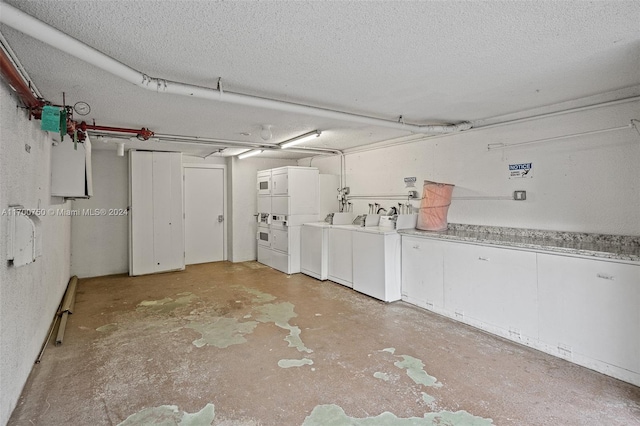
x=431, y=62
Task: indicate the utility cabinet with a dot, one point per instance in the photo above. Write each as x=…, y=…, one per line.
x=156, y=228
x=493, y=288
x=71, y=170
x=589, y=310
x=423, y=273
x=581, y=309
x=287, y=197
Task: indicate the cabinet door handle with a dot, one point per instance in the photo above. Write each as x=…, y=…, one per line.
x=417, y=247
x=605, y=276
x=485, y=259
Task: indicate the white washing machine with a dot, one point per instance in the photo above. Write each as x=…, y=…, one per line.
x=377, y=262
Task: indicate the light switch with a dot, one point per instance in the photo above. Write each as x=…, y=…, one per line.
x=519, y=195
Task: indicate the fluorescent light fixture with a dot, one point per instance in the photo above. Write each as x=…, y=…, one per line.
x=300, y=139
x=249, y=154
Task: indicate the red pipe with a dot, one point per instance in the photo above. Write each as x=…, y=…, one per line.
x=14, y=79
x=143, y=133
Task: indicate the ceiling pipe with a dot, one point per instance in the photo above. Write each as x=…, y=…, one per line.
x=39, y=30
x=221, y=143
x=241, y=144
x=15, y=80
x=18, y=66
x=17, y=83
x=142, y=134
x=244, y=144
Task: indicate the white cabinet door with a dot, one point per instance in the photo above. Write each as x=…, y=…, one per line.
x=340, y=256
x=280, y=183
x=422, y=272
x=493, y=288
x=157, y=224
x=591, y=308
x=141, y=229
x=165, y=187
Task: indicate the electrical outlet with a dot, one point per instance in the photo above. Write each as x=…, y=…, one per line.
x=519, y=195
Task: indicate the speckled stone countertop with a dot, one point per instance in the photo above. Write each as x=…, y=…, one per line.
x=614, y=247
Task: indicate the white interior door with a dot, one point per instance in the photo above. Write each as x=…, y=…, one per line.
x=156, y=227
x=204, y=220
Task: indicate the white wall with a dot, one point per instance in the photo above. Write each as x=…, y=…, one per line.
x=242, y=187
x=100, y=244
x=30, y=294
x=582, y=184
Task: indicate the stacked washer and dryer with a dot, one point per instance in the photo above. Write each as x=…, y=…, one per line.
x=291, y=240
x=287, y=198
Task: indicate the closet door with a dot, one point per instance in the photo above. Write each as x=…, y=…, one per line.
x=157, y=225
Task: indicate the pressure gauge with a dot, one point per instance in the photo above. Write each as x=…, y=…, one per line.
x=82, y=108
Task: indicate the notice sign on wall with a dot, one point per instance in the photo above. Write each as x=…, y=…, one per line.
x=519, y=171
x=410, y=182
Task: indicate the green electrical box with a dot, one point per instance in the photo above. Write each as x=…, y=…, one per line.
x=50, y=119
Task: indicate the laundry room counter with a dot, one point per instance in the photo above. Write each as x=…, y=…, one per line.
x=613, y=247
x=571, y=295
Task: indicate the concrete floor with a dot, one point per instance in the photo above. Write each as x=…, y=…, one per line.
x=242, y=344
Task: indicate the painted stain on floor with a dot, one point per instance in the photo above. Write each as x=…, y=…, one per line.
x=166, y=305
x=222, y=332
x=415, y=370
x=287, y=363
x=294, y=339
x=281, y=314
x=278, y=313
x=428, y=399
x=260, y=297
x=335, y=416
x=169, y=415
x=382, y=376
